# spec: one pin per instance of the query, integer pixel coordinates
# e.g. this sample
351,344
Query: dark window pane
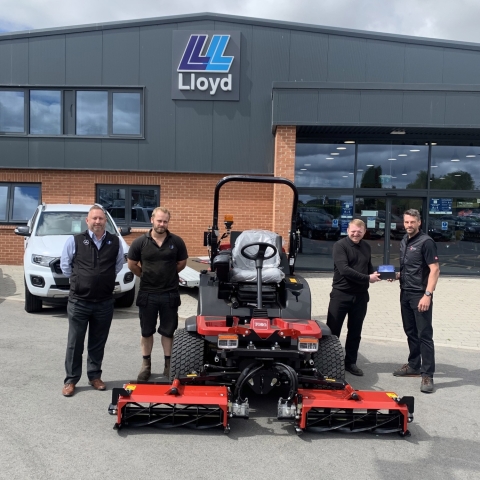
92,113
324,165
126,113
144,200
25,201
3,202
45,118
455,168
113,200
12,108
392,166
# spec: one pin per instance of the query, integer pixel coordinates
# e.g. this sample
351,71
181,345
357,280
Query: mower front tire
188,353
329,360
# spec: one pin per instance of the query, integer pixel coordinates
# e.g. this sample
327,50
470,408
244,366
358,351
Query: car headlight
42,260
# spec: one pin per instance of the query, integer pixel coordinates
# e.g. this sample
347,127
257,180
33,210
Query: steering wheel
260,255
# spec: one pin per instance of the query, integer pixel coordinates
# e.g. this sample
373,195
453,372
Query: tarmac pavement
47,436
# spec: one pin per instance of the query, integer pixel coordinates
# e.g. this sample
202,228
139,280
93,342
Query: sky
444,19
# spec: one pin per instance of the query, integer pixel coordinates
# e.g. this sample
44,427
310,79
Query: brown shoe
145,371
97,384
68,389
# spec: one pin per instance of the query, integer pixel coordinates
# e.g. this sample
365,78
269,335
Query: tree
458,180
371,178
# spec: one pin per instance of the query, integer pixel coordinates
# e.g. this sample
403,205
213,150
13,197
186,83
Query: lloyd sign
205,66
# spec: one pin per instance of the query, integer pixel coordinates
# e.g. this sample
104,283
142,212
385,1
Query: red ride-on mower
254,331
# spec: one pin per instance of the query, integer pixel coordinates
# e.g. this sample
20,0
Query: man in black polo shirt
157,257
419,272
352,275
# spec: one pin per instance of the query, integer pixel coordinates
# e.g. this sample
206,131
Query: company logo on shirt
86,242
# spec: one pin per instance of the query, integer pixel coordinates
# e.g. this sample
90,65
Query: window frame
10,198
128,202
68,110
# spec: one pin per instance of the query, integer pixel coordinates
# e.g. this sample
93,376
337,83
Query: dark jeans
419,330
355,306
97,317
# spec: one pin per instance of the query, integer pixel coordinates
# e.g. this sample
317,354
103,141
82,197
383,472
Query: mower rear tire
329,360
188,353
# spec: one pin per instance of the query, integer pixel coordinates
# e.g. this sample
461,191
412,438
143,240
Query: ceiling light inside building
392,159
307,164
433,143
341,148
455,160
471,156
414,150
457,175
434,166
397,131
303,169
370,165
335,153
329,158
349,141
402,155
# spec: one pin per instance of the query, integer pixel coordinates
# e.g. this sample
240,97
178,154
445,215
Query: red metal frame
345,399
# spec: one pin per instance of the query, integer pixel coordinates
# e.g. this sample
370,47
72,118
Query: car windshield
66,223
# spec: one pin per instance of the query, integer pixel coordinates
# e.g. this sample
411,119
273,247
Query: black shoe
354,370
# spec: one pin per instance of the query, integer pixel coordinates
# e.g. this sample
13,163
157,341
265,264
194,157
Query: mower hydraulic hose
292,376
247,373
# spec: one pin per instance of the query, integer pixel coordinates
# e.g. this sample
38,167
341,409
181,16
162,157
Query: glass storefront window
392,166
126,114
92,113
45,112
324,165
455,168
12,112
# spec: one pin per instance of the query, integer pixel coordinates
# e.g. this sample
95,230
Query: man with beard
157,257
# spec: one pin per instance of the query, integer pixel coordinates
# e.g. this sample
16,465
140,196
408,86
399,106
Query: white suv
45,236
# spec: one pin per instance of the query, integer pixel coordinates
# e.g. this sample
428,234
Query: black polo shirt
159,264
352,266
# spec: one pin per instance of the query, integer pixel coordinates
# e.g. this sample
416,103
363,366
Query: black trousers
97,317
355,306
419,330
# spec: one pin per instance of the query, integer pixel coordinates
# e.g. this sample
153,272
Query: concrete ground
47,436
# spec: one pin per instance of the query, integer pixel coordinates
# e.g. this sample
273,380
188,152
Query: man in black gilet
92,260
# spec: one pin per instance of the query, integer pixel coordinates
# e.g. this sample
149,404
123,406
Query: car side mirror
125,231
23,231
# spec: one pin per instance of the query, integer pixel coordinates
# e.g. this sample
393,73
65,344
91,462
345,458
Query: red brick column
284,162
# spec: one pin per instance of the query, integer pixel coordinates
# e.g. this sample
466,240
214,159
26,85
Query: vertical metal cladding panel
157,151
381,108
119,154
339,107
121,56
14,61
270,52
426,108
231,120
13,152
84,58
82,153
346,59
423,64
385,61
308,57
461,66
193,136
462,109
300,107
46,60
46,152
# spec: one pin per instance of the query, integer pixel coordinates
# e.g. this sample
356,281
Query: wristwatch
427,293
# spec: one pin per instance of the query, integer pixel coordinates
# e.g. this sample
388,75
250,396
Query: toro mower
253,332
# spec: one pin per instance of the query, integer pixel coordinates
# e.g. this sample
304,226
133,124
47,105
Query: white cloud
426,18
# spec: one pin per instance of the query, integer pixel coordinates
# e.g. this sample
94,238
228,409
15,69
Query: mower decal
130,387
260,323
292,280
391,394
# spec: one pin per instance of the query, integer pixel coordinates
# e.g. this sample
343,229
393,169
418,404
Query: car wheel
126,301
33,303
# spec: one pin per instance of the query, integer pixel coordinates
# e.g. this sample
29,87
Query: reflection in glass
3,202
144,200
324,165
25,200
321,220
66,223
455,168
113,200
392,166
12,108
92,113
457,234
126,113
45,112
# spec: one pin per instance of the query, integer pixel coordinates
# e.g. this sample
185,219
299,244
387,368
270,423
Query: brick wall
284,167
188,196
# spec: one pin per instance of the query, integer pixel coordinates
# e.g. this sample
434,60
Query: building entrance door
383,217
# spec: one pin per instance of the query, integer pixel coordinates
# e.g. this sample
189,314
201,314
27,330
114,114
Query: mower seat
244,270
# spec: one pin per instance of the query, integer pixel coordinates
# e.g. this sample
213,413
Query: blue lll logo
213,61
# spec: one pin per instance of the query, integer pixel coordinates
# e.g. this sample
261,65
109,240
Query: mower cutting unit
253,331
